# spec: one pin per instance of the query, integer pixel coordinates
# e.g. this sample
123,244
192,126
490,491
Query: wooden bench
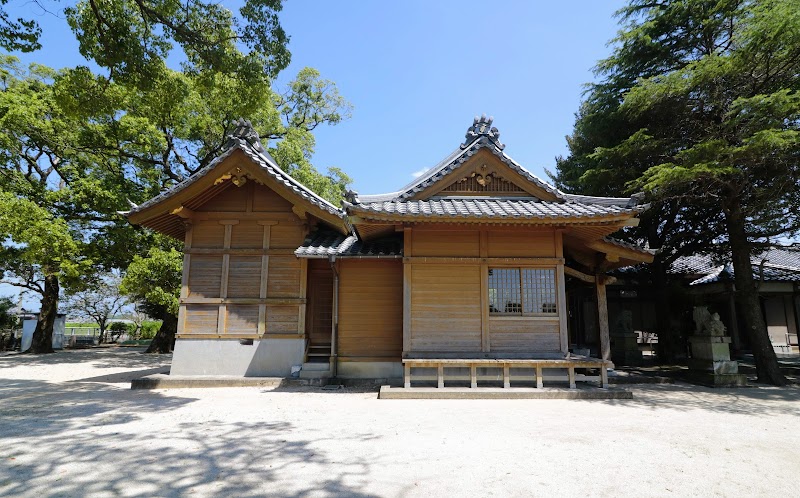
507,364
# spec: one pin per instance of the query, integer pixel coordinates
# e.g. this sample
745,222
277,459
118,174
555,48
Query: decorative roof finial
244,131
351,196
482,129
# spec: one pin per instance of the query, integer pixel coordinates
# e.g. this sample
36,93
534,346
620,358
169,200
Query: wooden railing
570,364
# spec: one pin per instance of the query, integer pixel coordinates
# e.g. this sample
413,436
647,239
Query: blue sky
417,72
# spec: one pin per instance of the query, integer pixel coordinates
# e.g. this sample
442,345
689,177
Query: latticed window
522,291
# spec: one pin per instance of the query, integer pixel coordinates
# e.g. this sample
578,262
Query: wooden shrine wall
370,309
240,276
446,280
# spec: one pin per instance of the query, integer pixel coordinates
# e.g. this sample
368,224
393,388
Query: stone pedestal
624,345
625,349
711,362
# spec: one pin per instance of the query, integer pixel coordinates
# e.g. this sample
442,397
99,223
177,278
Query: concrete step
315,370
316,366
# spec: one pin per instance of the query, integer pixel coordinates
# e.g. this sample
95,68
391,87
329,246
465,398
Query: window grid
522,291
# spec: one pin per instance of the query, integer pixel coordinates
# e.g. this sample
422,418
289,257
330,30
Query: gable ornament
237,176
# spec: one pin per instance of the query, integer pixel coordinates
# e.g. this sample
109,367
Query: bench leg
604,377
406,376
440,376
473,376
506,377
571,373
539,383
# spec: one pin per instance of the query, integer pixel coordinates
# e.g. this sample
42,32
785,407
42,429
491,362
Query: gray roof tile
324,243
492,208
245,138
782,264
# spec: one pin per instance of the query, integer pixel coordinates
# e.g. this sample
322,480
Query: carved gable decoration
238,176
484,180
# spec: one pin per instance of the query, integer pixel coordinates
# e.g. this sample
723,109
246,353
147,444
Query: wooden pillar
301,319
187,264
602,317
222,315
561,287
486,345
264,282
406,289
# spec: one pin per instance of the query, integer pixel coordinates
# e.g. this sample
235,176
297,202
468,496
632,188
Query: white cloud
417,174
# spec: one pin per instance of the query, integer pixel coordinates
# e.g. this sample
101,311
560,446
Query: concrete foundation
501,393
229,357
370,369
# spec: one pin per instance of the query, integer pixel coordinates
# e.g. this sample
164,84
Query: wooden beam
613,252
572,272
243,300
444,260
183,212
602,318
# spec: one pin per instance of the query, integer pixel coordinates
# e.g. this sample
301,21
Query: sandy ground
70,426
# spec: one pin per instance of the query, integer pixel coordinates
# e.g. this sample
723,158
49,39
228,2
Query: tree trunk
102,326
747,299
43,333
668,338
165,337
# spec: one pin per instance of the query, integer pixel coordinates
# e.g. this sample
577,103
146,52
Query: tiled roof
324,243
696,264
492,208
788,256
482,135
628,245
245,138
780,264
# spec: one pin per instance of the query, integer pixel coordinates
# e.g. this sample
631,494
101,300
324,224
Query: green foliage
132,38
697,103
154,280
149,329
7,319
18,34
76,147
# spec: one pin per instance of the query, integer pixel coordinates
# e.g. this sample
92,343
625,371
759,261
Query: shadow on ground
755,400
110,356
86,438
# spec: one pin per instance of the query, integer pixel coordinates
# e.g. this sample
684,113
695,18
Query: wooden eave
165,216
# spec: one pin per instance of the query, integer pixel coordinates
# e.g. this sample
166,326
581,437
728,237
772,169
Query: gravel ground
70,426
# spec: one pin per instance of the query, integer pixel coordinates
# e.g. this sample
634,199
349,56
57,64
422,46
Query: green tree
155,281
81,145
132,38
707,92
37,250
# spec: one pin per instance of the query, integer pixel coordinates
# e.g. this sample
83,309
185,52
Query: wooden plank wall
241,278
370,309
447,273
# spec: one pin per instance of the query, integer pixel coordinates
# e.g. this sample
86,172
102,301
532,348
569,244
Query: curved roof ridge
482,135
245,138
